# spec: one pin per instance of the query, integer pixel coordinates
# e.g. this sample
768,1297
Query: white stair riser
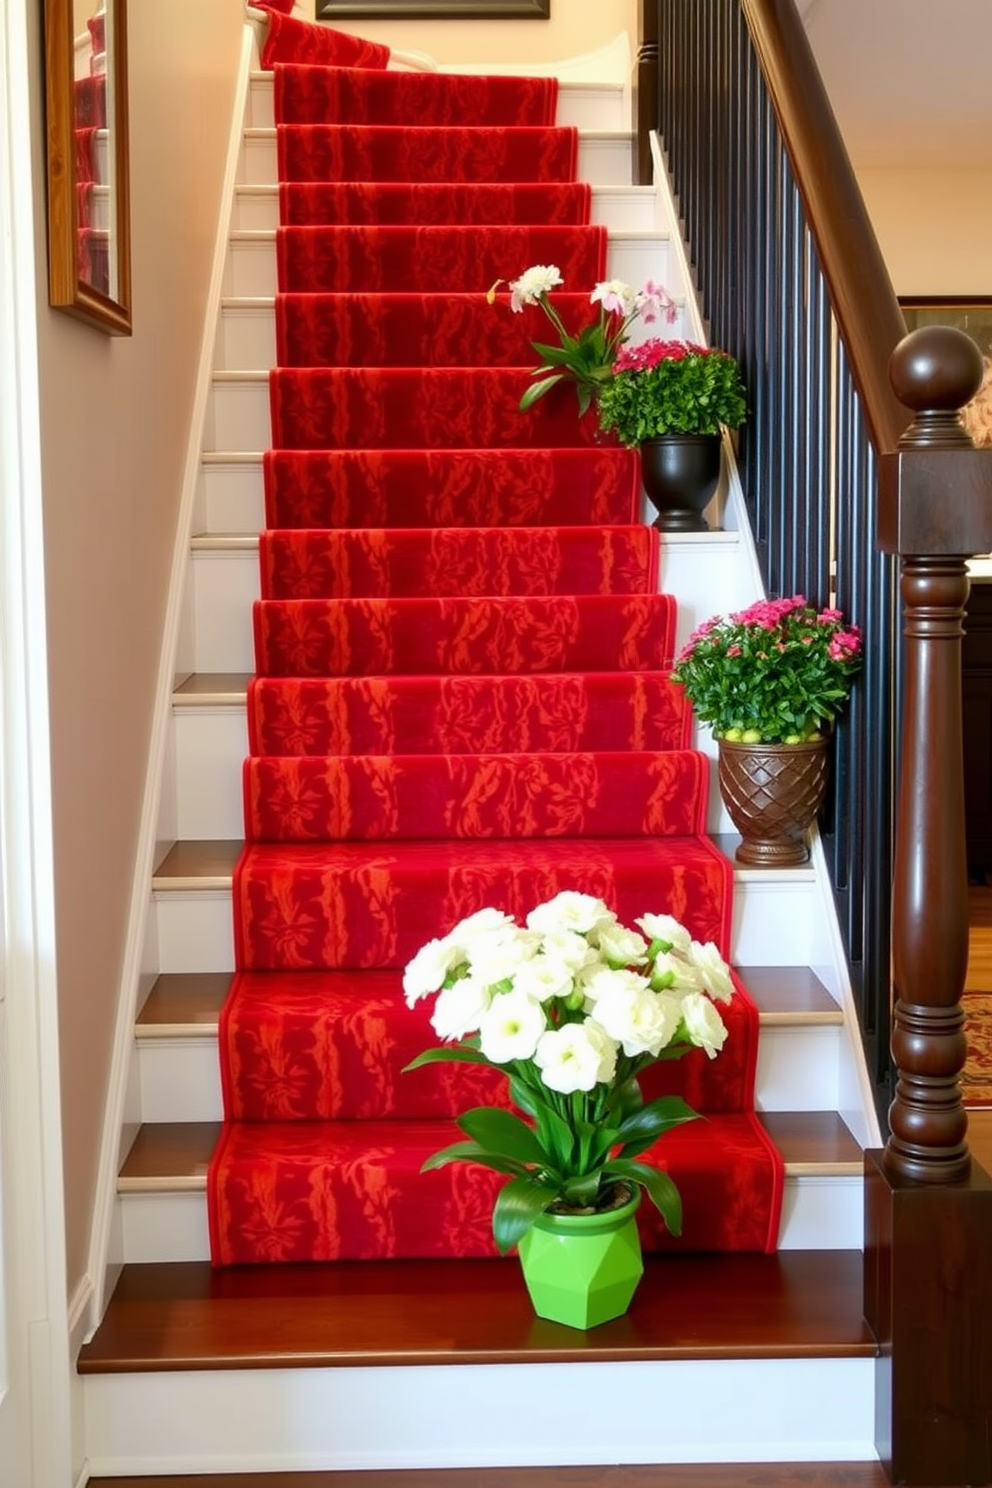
251,266
773,925
194,930
777,922
798,1068
224,586
246,338
583,108
817,1214
797,1071
210,746
604,160
756,1410
164,1227
230,497
237,417
624,209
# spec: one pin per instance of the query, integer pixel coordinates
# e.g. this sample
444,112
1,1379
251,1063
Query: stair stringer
157,824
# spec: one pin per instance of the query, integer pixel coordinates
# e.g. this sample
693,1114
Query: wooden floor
979,975
723,1475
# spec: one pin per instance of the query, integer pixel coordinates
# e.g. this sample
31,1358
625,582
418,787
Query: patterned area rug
976,1080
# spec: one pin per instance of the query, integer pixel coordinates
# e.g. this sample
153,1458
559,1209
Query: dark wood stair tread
665,1475
184,999
784,994
189,1315
209,858
178,1152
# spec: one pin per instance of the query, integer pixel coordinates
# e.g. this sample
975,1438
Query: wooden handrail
864,302
838,385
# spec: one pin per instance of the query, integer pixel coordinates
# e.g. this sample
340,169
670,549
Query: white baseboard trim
437,1416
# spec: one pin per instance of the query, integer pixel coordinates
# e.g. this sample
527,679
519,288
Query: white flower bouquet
572,1007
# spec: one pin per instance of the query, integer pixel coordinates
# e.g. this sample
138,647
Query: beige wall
574,26
934,228
115,417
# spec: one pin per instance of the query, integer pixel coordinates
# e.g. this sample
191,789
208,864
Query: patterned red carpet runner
461,695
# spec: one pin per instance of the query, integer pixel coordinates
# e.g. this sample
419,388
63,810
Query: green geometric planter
583,1269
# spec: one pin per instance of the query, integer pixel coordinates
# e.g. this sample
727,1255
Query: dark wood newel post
928,1209
645,89
930,889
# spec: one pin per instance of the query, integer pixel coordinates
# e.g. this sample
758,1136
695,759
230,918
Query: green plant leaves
502,1132
779,677
696,393
645,1126
446,1054
518,1204
659,1187
471,1152
538,390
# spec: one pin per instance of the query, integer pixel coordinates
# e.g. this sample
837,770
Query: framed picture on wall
517,10
970,314
973,315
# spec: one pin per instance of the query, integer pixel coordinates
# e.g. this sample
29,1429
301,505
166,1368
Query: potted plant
585,357
770,680
571,1007
672,399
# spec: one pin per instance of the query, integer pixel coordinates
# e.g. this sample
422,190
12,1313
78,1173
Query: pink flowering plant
775,673
671,387
571,1007
585,359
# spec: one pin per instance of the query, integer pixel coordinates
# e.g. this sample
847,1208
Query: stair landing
189,1315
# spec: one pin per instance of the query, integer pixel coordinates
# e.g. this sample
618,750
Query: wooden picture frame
89,237
969,313
327,10
973,315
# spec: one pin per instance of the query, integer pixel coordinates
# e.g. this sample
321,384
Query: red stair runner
461,695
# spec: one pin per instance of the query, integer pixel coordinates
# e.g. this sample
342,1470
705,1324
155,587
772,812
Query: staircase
737,1358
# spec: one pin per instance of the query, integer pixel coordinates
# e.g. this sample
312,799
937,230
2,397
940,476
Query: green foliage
578,1148
778,672
671,387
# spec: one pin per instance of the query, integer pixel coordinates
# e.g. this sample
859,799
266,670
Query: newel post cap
935,491
935,371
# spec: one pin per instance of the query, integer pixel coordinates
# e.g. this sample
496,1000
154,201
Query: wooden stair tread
198,863
174,1155
189,1003
664,1475
209,858
189,1315
206,687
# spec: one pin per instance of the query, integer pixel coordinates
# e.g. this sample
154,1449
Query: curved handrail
864,302
405,61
